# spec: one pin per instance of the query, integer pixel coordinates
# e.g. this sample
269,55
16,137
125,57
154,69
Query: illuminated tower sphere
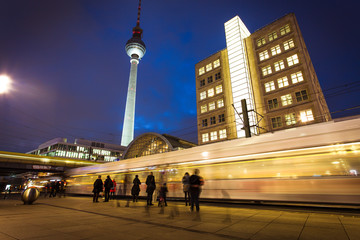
135,48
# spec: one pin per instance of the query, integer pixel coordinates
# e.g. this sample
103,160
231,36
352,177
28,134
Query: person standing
113,189
195,188
151,186
186,187
135,190
98,187
162,195
108,185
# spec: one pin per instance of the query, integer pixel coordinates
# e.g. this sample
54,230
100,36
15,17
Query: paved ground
79,218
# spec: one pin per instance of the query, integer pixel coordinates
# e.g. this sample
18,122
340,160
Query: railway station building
271,69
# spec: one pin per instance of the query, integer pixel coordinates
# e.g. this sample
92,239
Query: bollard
29,195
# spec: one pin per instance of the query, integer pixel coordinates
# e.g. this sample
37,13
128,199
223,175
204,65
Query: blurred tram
315,163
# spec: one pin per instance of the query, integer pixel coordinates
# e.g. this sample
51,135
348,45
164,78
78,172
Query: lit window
211,106
269,86
202,82
279,65
213,135
218,89
306,115
212,120
297,77
222,133
217,76
288,44
301,96
275,50
290,119
205,137
216,63
272,36
276,122
210,92
266,70
286,99
203,108
201,71
294,59
208,67
210,79
202,95
220,103
283,82
263,55
273,103
260,42
221,118
285,29
204,122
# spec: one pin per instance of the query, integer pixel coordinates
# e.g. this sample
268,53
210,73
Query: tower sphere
135,46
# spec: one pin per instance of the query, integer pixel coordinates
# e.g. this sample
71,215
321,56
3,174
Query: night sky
70,70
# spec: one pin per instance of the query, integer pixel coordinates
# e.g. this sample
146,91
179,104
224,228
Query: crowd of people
191,187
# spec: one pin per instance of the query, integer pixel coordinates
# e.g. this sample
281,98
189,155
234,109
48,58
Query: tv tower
135,49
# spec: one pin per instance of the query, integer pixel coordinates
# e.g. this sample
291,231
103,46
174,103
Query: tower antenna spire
138,17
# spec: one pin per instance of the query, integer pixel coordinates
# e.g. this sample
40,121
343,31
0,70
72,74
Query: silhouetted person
135,190
186,187
57,187
162,195
113,190
108,185
195,188
52,189
98,187
150,183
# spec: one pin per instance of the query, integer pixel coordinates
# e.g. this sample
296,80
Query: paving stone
311,233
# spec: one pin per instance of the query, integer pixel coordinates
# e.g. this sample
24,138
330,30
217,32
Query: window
279,65
288,44
202,95
275,50
212,120
272,36
218,89
297,77
210,79
273,103
286,99
213,135
203,108
222,133
205,137
301,96
221,118
217,76
285,29
202,82
216,63
210,92
266,70
211,106
269,86
201,71
290,119
208,67
204,123
263,55
283,82
260,42
276,122
306,115
220,103
294,59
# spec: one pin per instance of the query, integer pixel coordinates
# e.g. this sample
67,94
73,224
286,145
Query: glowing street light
4,84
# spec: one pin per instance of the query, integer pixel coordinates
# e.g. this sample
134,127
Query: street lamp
4,84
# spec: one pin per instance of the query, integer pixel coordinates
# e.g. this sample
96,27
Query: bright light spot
336,162
205,154
4,84
353,172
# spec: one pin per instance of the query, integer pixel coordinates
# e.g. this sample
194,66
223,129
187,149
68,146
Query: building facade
80,149
271,69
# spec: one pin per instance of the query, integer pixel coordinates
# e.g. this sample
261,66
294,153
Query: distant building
80,149
271,69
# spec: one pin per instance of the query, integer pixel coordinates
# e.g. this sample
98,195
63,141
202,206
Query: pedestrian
151,186
135,190
108,185
186,187
195,188
113,189
52,189
162,195
57,188
47,189
98,187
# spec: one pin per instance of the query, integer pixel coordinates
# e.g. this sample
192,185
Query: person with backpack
135,190
195,189
98,187
108,185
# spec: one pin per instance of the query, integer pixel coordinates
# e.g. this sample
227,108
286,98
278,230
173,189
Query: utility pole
246,118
